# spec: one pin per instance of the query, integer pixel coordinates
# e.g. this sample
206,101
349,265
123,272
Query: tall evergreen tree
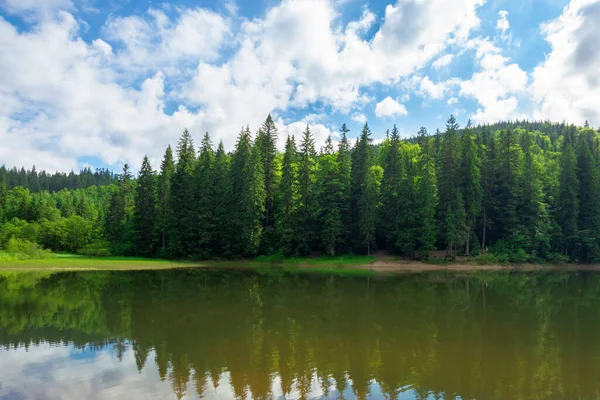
222,202
330,197
451,208
345,164
362,160
181,219
567,202
145,211
531,210
167,168
588,224
267,144
203,176
390,188
509,182
288,198
249,192
306,196
470,183
368,206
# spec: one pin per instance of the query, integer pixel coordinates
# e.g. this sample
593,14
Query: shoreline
340,265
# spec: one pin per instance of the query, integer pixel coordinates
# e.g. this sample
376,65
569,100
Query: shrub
97,248
26,250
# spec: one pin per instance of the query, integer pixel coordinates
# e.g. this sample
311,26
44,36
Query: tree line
517,190
53,182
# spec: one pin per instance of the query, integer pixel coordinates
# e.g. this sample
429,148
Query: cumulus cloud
566,86
495,86
502,25
63,97
359,117
389,107
443,61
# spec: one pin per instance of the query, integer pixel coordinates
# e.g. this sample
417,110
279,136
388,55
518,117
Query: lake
237,334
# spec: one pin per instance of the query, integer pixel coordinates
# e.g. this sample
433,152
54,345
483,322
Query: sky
101,83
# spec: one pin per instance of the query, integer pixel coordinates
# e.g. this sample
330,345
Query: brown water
221,335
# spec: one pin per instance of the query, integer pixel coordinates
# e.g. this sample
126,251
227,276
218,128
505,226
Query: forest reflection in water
224,334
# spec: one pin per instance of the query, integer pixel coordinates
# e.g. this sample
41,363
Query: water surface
234,334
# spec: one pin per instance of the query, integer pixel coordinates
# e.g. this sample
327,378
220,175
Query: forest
512,191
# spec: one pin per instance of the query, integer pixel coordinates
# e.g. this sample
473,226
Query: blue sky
101,83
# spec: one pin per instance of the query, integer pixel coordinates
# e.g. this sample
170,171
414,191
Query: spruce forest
514,191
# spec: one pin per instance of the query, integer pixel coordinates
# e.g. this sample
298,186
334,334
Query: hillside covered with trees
519,190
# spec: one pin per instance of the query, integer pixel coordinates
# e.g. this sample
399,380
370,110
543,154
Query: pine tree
531,210
362,160
249,194
470,183
3,192
182,217
426,199
330,197
345,164
390,188
288,198
588,177
368,206
145,211
34,181
306,196
510,171
203,176
222,202
451,207
567,202
167,169
267,144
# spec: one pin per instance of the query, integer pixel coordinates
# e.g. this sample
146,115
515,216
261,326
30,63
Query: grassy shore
343,265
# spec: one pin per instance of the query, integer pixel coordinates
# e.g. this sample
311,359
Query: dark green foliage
167,168
182,217
144,218
526,191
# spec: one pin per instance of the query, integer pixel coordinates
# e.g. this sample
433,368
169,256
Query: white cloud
443,61
452,100
35,8
154,40
503,25
63,97
433,90
359,117
389,107
495,85
566,86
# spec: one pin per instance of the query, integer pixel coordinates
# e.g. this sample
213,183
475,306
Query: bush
278,257
26,250
97,248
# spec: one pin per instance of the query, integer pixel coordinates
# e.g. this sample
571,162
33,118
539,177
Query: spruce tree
267,144
249,194
181,220
205,200
221,183
330,198
451,208
567,201
167,168
345,164
390,188
362,160
306,196
145,211
368,206
470,183
426,199
288,198
588,224
531,210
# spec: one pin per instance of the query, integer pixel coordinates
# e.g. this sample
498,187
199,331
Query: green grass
66,262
